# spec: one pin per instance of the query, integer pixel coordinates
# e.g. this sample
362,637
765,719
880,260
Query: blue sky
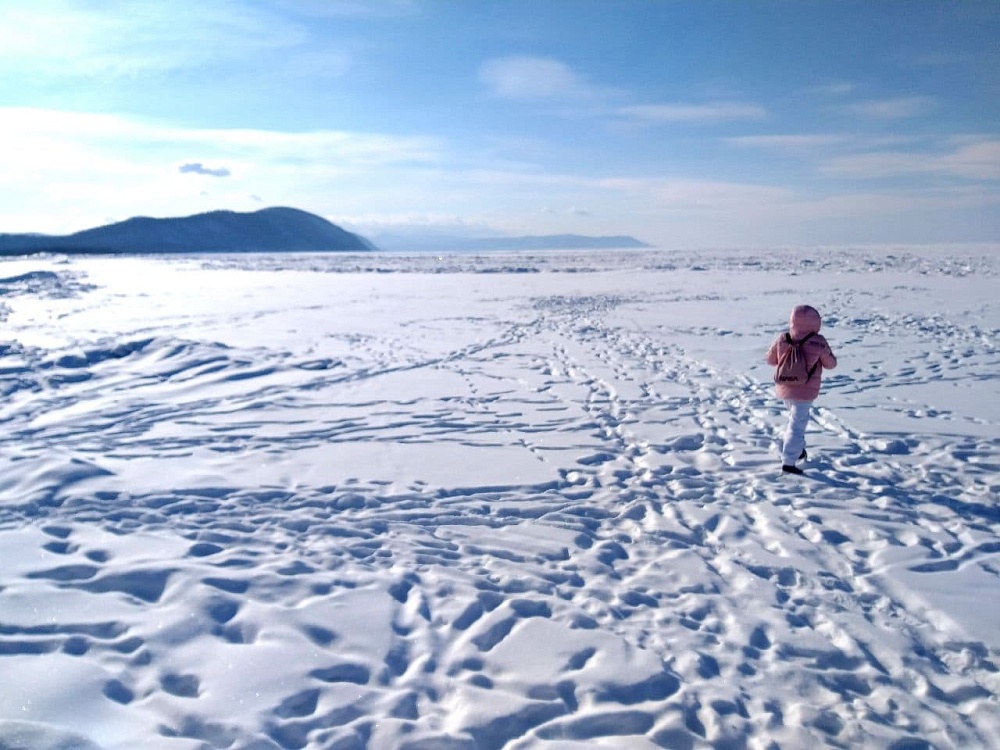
685,124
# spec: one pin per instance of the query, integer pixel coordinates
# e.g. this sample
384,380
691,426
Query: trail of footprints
842,562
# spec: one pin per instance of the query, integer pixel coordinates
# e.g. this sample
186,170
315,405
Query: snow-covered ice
497,502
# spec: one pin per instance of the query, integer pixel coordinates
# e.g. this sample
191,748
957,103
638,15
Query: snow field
496,501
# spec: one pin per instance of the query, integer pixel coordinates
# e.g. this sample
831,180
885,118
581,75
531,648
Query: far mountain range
270,230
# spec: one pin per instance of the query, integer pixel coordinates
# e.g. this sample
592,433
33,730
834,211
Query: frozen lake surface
497,502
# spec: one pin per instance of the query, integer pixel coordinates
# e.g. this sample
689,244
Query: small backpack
792,366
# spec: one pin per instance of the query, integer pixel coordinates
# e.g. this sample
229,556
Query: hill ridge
273,229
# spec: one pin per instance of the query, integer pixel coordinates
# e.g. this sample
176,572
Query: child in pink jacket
804,320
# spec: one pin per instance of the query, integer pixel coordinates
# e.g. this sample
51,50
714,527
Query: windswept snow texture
497,502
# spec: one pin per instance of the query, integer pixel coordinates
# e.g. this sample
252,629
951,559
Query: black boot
789,469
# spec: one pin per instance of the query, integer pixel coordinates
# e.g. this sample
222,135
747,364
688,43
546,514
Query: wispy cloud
571,211
349,8
789,143
977,160
525,77
65,39
908,206
198,168
694,113
152,140
897,108
837,88
817,144
414,225
716,196
942,59
884,156
528,78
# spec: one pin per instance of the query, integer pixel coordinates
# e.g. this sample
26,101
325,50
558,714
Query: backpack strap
812,370
804,339
800,342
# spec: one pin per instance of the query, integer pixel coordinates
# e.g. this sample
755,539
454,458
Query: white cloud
523,77
694,113
86,165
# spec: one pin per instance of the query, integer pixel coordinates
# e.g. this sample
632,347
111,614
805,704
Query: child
804,323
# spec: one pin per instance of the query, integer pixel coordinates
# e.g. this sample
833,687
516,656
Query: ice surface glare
497,501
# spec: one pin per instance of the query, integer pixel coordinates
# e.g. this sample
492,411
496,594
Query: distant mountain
271,230
450,243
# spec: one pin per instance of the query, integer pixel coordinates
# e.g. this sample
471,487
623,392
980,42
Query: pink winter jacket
804,320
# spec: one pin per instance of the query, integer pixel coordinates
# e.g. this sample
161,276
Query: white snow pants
795,432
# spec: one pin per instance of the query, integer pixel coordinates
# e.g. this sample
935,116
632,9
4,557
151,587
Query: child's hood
804,319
